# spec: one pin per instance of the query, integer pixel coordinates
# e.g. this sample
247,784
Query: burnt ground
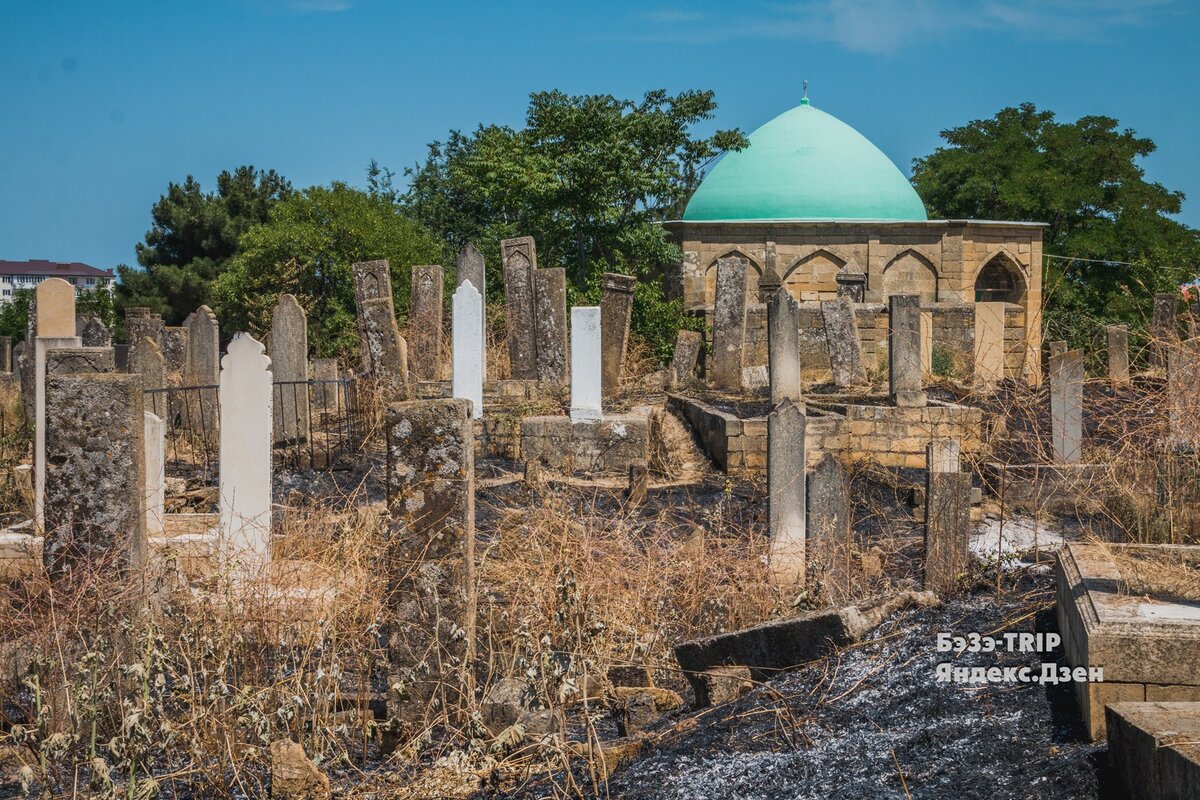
873,722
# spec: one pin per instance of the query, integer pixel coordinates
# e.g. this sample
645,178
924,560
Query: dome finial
804,100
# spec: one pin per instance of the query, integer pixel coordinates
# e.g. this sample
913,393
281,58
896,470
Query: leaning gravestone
729,324
841,336
783,346
688,345
616,312
786,459
519,257
385,351
550,325
425,322
289,366
244,491
92,332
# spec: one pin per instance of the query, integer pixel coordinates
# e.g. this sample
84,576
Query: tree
193,237
588,177
306,248
1084,179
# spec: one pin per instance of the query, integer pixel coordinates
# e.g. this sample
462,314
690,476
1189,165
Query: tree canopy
193,237
1085,180
306,248
588,177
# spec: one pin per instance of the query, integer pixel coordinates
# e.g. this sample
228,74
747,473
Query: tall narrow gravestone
550,324
989,344
616,311
688,345
1066,406
947,517
289,365
467,344
904,351
729,324
202,367
519,257
786,457
54,328
1118,353
155,469
431,497
326,385
783,346
244,493
828,522
841,337
586,387
1164,330
1183,394
471,267
425,322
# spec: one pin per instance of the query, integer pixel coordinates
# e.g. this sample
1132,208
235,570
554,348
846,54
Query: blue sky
101,104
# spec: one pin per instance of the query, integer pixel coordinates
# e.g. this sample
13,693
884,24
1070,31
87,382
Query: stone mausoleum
813,206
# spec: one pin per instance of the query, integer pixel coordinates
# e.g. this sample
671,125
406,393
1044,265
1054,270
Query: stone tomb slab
607,445
1149,647
1154,749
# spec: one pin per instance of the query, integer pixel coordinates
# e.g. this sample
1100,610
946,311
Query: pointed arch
754,271
1000,279
910,272
813,275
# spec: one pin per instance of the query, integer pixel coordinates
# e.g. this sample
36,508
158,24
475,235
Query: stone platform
607,445
1149,648
1154,749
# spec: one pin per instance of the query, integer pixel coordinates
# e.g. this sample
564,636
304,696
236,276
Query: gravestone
1183,394
927,343
93,332
141,323
244,491
904,351
385,351
989,344
519,257
156,482
174,349
425,322
80,360
1057,348
1118,353
828,520
616,311
55,328
841,336
786,509
688,345
56,308
550,323
1164,329
1066,406
467,343
783,346
148,361
471,267
639,482
586,387
372,281
94,517
6,354
947,518
430,574
202,368
289,367
729,324
326,385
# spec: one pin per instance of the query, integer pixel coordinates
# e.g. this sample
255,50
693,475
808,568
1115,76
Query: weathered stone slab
828,519
989,344
140,323
431,497
786,460
372,281
1057,348
471,267
845,349
586,387
1154,749
148,362
607,445
519,257
56,308
1066,406
1183,393
154,439
244,494
289,366
639,482
43,345
425,322
1118,353
80,360
616,311
729,324
1164,328
174,349
550,325
385,351
904,351
95,475
6,354
326,389
93,332
947,518
783,347
467,339
927,343
688,345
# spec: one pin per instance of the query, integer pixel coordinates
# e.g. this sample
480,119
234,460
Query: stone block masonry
608,445
431,497
95,479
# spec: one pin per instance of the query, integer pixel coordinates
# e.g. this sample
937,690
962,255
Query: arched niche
814,277
910,273
1000,281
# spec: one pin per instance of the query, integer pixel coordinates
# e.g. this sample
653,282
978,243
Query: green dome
806,164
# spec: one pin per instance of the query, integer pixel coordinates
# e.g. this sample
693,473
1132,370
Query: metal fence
316,424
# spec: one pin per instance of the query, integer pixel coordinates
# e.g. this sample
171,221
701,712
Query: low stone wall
886,435
607,445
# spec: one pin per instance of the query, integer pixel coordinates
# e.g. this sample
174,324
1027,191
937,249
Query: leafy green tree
306,248
1085,180
14,315
588,177
193,237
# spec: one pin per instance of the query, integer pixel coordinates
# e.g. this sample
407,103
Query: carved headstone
786,509
616,311
904,351
471,267
586,391
244,493
550,323
372,281
1183,394
385,351
202,368
425,322
1066,406
174,349
1118,353
783,346
289,366
729,324
468,345
841,336
519,257
688,345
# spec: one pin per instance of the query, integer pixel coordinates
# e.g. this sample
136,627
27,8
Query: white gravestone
467,341
245,482
585,364
156,480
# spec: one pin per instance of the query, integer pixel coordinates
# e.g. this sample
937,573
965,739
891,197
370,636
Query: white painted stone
244,503
468,345
585,363
156,479
42,346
